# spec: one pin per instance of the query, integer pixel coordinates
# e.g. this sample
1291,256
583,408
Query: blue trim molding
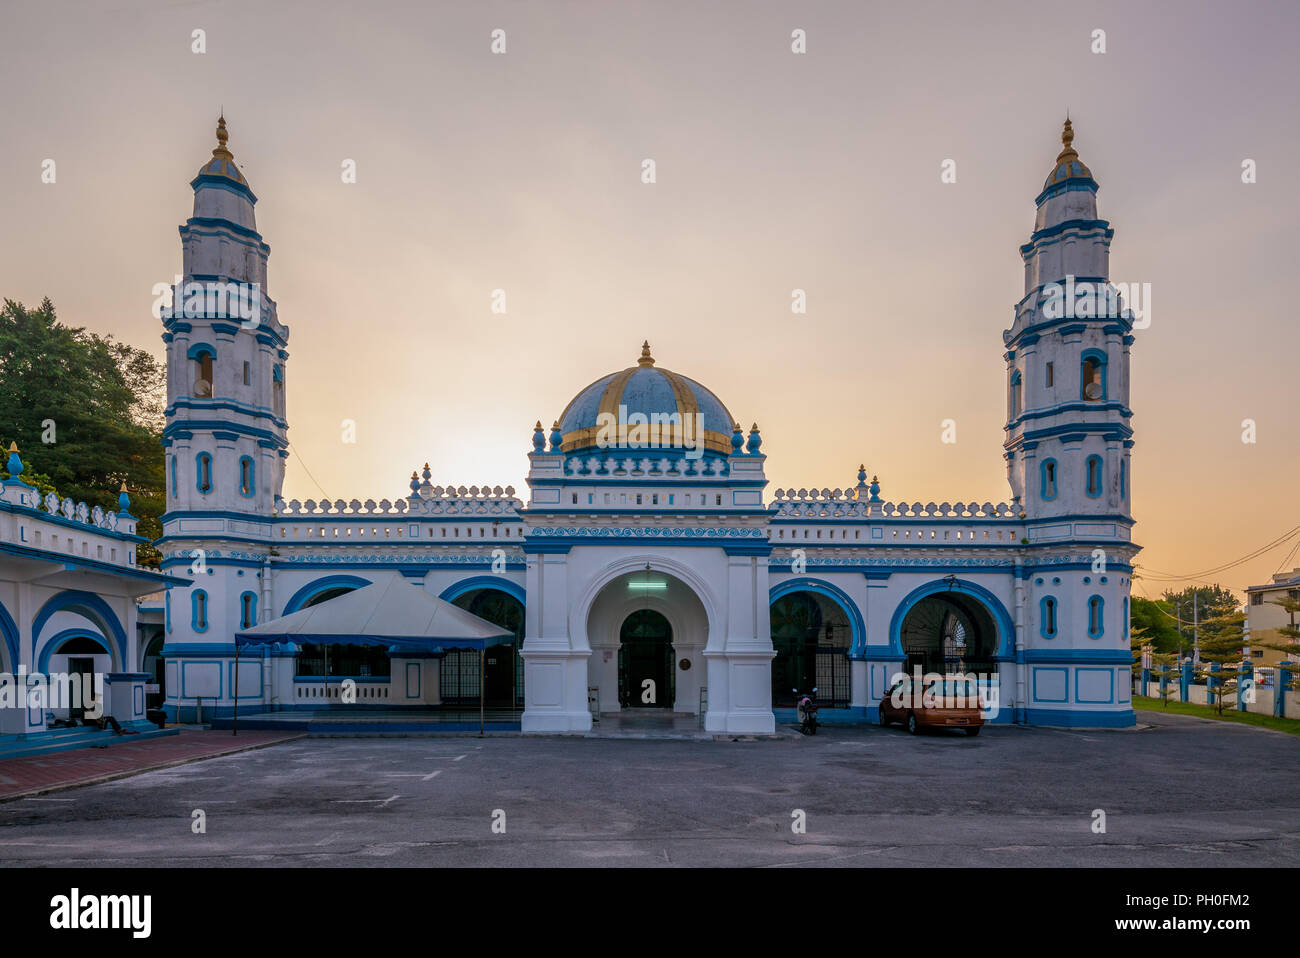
993,605
313,589
858,646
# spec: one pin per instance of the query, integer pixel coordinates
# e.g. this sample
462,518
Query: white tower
1068,433
225,434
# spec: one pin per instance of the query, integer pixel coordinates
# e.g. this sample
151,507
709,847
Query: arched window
199,610
173,477
202,356
1015,394
1093,486
1047,617
1095,624
247,610
203,472
1123,479
1049,479
1093,376
1126,619
167,609
246,476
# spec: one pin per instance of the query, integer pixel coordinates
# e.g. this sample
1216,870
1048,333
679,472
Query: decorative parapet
645,467
437,500
841,503
18,493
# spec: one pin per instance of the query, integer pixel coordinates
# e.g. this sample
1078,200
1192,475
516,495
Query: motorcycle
806,711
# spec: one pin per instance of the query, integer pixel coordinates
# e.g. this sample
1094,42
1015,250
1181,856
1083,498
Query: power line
303,462
1158,575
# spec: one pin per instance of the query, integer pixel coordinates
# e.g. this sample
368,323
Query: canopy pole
234,723
482,686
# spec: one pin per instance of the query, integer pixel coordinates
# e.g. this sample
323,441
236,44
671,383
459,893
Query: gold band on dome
687,404
670,437
613,393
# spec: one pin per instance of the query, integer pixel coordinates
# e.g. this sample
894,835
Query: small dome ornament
862,476
15,464
539,438
221,152
426,474
556,436
737,440
123,502
755,440
415,482
646,360
875,489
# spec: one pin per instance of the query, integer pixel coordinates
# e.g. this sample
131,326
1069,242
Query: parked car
950,702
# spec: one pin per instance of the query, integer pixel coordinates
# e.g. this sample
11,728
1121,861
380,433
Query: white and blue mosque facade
649,565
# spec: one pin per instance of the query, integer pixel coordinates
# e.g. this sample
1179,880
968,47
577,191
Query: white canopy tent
391,612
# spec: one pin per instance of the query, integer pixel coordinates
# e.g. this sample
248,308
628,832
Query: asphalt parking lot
1184,792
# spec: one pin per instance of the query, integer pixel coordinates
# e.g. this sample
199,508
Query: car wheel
912,725
884,721
973,731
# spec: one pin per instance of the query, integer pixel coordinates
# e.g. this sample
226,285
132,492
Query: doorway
85,669
645,661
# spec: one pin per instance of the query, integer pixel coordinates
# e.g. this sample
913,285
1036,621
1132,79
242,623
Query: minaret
1068,436
226,432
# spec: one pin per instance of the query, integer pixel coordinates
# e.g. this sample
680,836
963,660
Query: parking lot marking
459,757
430,775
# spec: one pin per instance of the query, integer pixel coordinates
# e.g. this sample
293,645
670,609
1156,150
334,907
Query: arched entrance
811,635
949,632
645,661
646,624
503,669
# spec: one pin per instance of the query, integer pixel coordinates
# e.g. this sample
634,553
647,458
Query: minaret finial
1067,141
222,137
646,359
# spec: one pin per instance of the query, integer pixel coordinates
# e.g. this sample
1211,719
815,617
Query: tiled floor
22,776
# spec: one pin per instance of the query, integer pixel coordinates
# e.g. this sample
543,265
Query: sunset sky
775,171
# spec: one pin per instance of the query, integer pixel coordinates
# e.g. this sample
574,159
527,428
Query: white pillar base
740,692
555,689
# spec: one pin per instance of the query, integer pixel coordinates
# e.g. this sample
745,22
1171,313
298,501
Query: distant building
1265,617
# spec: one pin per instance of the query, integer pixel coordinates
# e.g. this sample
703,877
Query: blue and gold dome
652,392
221,169
1068,165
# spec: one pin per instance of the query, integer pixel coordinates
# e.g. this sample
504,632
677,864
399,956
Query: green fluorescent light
651,586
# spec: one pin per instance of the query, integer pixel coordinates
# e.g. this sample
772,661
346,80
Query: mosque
647,566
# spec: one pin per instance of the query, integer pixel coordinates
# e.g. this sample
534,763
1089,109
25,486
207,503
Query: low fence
1197,686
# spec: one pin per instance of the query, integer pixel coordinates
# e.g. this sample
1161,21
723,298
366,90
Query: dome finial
1067,141
646,359
221,151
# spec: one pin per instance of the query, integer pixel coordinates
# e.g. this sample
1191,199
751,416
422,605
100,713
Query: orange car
950,702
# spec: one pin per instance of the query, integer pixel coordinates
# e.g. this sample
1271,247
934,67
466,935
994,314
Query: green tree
86,412
1222,640
1157,625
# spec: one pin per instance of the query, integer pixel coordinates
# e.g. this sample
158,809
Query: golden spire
556,424
220,152
1067,138
754,428
13,447
646,359
538,426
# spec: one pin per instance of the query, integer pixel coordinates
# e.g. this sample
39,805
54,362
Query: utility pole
1196,630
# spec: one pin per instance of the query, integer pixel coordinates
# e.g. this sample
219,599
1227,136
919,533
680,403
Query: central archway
646,625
